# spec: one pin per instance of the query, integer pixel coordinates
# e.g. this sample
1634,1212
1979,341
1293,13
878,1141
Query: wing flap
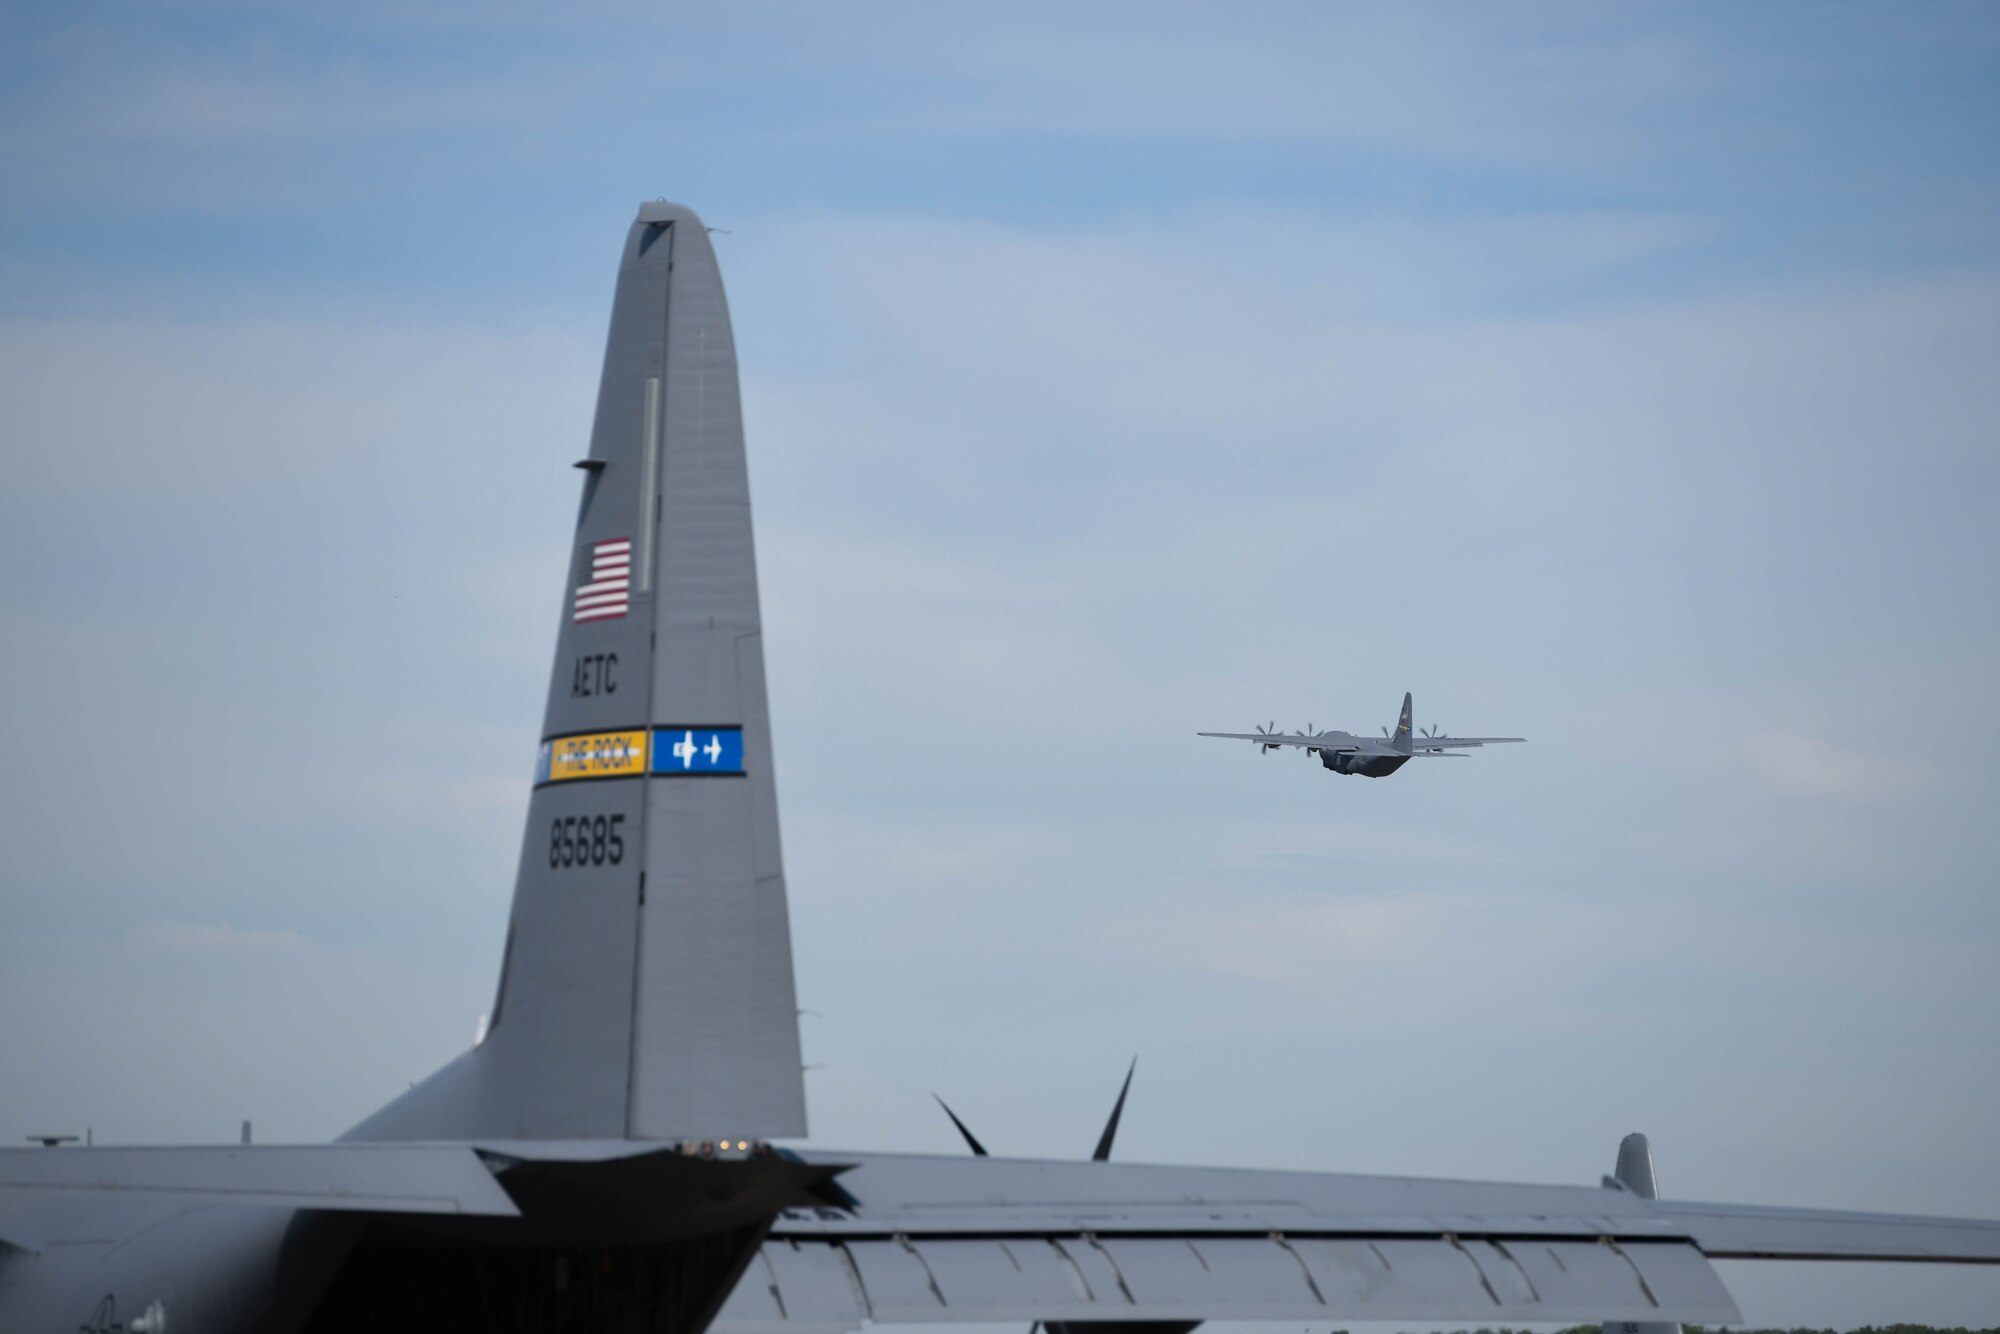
1249,1276
813,1287
1036,1272
827,1285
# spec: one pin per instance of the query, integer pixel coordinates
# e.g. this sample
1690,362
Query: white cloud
1803,766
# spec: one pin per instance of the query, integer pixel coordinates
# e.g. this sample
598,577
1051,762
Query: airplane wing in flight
1285,739
1421,743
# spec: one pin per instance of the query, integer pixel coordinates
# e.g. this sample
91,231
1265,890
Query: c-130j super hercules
1346,753
600,1160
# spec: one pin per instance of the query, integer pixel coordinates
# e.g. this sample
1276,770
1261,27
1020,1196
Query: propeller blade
1117,1110
971,1141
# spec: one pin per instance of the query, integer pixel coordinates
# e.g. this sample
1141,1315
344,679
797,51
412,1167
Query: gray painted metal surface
911,1195
380,1178
647,986
1634,1172
1757,1232
831,1285
716,1046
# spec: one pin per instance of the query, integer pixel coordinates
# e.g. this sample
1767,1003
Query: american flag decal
607,590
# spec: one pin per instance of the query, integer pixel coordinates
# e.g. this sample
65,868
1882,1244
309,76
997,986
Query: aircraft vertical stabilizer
715,1047
646,989
1635,1173
1401,741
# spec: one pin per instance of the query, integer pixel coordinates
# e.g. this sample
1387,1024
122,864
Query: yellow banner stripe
598,755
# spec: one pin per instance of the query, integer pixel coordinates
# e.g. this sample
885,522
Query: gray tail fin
1401,741
1635,1167
647,988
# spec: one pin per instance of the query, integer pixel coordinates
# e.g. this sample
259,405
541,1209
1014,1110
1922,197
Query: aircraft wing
372,1178
1748,1232
1423,743
1285,739
934,1240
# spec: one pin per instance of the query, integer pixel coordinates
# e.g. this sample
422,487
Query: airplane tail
646,989
1635,1173
1401,741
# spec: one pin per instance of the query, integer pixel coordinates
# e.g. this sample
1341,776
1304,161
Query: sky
1617,377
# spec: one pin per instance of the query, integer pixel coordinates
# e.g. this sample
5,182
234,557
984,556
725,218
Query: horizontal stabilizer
371,1178
568,1192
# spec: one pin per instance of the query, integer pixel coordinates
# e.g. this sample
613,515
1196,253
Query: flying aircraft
1346,753
602,1157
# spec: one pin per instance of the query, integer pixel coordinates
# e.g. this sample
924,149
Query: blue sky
1617,377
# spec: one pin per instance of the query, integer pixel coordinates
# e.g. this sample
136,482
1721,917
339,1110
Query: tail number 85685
586,840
